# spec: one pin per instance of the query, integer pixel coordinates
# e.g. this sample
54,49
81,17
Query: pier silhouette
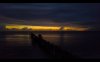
51,50
38,48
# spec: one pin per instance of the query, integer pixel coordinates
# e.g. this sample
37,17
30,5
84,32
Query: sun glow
75,29
44,28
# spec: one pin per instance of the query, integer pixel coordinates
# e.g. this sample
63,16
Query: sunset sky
51,14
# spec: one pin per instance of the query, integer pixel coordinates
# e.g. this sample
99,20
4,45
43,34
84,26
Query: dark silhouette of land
51,50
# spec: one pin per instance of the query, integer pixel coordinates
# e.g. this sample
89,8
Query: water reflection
2,39
23,39
82,44
17,39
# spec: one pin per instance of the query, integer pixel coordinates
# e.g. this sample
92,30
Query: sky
63,14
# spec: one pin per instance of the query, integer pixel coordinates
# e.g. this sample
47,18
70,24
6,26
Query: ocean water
85,44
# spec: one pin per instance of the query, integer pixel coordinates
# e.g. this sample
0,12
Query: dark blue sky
75,14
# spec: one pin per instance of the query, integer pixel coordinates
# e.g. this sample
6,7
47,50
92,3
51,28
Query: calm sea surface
86,45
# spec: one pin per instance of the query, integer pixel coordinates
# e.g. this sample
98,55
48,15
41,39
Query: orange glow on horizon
44,28
75,29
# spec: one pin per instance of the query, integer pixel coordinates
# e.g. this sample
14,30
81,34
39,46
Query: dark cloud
85,14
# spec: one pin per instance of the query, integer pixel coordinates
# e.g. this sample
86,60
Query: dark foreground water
83,44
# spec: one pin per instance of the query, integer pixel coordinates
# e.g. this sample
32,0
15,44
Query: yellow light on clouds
74,29
44,28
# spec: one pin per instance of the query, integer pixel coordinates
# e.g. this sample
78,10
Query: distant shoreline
44,32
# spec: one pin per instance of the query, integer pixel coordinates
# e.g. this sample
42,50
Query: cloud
82,14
